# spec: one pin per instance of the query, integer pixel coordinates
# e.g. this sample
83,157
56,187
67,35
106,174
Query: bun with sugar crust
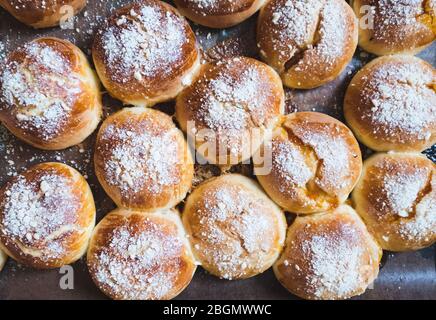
142,160
141,256
47,214
49,95
396,197
146,53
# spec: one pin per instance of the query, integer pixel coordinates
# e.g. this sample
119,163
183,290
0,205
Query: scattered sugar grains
139,265
36,210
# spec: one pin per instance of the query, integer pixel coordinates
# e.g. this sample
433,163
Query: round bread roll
140,256
146,53
47,214
3,258
396,197
218,13
235,230
49,95
230,109
312,163
42,13
309,44
391,104
328,256
391,27
142,160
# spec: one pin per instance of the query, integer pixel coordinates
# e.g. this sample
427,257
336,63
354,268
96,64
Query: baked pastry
392,27
309,44
141,256
328,256
3,258
47,214
312,163
218,13
146,53
142,160
391,104
42,13
396,197
230,109
49,95
235,230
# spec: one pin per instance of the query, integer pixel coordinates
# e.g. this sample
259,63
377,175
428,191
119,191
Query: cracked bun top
315,163
218,13
140,256
230,108
328,256
42,13
309,44
142,160
391,104
235,230
146,53
47,214
405,26
49,95
396,197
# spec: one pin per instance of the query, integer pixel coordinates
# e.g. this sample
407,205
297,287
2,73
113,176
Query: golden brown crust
391,104
396,197
230,109
42,13
140,256
328,256
47,214
218,13
235,230
3,259
308,44
396,26
146,53
142,160
49,95
312,163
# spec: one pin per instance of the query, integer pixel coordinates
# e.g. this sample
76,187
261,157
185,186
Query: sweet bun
42,13
396,197
391,104
230,109
328,256
142,160
47,214
235,230
309,44
49,95
392,27
315,162
140,256
3,258
218,13
146,53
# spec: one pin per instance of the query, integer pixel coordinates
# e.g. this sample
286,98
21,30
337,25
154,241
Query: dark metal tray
410,275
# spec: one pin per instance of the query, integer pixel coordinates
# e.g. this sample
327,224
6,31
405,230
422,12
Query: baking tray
410,275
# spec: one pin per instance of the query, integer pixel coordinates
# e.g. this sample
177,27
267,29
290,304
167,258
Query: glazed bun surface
142,160
235,230
396,197
146,53
218,13
140,256
308,44
42,13
397,26
47,214
315,163
391,104
328,256
230,109
3,259
49,95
